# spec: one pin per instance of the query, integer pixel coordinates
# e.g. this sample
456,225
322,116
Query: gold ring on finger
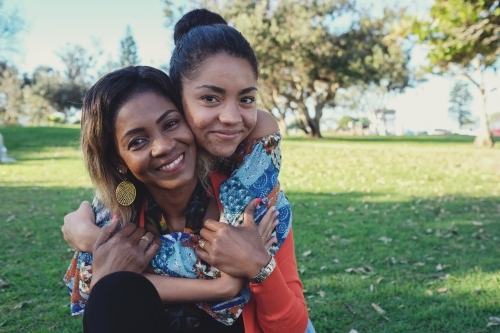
145,238
202,243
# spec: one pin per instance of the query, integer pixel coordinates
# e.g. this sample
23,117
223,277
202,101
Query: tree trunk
282,125
315,132
484,138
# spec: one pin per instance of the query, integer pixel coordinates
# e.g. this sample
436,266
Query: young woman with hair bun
214,71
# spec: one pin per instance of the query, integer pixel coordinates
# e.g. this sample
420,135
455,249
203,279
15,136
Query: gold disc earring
125,192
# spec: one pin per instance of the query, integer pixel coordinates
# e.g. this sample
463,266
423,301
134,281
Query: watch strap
264,271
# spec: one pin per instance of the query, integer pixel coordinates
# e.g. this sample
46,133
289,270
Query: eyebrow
140,129
166,113
223,91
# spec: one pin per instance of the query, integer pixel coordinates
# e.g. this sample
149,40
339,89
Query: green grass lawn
392,234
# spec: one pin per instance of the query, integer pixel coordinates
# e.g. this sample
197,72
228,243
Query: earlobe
121,167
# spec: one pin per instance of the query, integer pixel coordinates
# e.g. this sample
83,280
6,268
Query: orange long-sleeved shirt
277,304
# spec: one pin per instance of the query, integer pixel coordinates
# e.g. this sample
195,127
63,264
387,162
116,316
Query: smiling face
154,143
219,103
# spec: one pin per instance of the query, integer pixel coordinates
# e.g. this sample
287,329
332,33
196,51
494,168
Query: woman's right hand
238,251
266,227
130,249
79,228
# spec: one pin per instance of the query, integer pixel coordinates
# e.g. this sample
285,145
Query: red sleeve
216,178
281,306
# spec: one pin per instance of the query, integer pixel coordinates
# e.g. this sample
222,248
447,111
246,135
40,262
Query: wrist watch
264,271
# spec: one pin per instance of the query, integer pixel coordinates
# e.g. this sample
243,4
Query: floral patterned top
256,165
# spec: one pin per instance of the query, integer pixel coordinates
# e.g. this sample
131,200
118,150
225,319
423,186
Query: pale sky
51,24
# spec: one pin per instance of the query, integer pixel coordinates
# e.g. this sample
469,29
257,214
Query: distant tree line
314,56
34,98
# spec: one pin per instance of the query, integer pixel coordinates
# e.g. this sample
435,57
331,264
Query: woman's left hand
237,251
130,249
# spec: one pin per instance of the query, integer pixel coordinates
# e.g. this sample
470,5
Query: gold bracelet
264,271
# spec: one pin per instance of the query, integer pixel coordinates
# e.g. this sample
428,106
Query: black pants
128,302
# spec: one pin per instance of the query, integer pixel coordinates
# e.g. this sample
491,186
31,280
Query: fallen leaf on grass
359,270
476,290
20,305
11,218
370,268
429,292
350,308
440,267
379,279
353,331
335,261
321,293
308,252
477,223
442,290
322,268
494,321
378,308
385,239
3,284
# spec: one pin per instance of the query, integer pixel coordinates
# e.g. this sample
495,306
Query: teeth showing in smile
173,164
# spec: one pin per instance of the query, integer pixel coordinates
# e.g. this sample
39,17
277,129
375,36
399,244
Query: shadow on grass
28,156
34,258
430,263
36,139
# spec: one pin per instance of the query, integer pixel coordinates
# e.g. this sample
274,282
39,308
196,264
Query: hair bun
193,19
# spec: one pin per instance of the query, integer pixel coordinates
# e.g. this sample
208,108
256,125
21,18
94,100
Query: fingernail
257,201
115,218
